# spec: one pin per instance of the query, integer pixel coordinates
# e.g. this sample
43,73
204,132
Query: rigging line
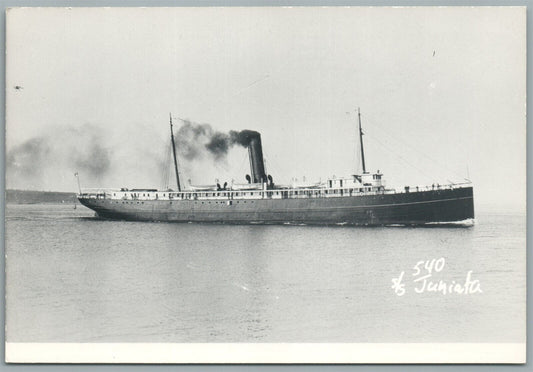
399,157
221,165
273,165
397,138
164,168
169,168
178,171
264,77
244,159
403,142
358,169
267,161
357,142
168,161
242,165
227,98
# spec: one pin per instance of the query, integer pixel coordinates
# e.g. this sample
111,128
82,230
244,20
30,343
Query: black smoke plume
26,158
93,160
37,160
194,139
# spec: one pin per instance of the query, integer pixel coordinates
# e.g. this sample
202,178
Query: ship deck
431,205
251,194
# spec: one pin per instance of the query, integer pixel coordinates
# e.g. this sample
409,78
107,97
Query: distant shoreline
40,197
42,203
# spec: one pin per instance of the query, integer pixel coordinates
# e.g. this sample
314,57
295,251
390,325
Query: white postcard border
284,353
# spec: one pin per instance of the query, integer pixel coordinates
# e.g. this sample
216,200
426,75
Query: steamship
360,199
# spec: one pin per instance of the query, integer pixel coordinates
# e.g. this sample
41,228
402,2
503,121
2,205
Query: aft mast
361,140
174,153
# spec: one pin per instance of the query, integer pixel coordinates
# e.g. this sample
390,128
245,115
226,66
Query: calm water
74,278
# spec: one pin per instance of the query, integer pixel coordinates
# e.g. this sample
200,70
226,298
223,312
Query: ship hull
410,208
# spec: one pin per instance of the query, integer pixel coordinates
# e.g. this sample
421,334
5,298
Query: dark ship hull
405,208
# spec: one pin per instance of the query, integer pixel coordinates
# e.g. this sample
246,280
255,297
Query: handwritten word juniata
423,280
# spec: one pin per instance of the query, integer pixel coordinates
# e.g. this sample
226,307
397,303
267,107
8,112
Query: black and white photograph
265,185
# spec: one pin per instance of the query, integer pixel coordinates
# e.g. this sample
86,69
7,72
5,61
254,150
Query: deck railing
305,193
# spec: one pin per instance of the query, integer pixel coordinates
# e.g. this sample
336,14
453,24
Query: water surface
74,278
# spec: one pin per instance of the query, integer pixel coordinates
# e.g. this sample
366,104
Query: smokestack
257,165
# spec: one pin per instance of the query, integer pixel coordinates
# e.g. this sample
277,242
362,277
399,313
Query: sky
442,94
